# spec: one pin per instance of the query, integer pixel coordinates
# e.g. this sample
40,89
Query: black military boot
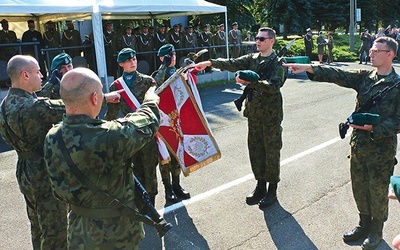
169,192
359,232
258,193
270,198
179,191
374,236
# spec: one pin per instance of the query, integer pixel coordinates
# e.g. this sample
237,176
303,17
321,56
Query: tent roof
110,9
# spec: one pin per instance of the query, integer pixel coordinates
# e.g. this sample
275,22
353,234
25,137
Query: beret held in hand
247,75
364,118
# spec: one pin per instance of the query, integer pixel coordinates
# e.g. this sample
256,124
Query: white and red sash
133,104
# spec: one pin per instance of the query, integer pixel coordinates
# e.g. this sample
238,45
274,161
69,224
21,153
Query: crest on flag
184,128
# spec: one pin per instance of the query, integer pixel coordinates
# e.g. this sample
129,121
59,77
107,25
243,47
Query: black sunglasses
262,39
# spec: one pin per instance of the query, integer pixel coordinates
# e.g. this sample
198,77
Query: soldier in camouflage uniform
60,65
146,159
265,101
173,189
99,149
24,121
373,147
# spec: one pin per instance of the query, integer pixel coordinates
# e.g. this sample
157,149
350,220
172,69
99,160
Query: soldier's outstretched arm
297,68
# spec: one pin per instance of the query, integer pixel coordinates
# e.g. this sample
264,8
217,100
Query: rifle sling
98,213
365,106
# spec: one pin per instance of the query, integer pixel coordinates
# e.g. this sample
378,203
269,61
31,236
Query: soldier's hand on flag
114,97
297,68
151,95
201,65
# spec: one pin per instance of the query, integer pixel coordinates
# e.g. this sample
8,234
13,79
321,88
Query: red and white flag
184,128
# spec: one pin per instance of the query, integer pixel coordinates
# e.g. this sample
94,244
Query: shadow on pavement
285,230
182,236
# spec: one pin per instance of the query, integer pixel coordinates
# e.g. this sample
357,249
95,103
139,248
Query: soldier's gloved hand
55,76
151,95
167,60
247,75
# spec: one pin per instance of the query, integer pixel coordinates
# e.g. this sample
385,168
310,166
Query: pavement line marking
225,186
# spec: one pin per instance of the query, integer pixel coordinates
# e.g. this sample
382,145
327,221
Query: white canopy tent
97,10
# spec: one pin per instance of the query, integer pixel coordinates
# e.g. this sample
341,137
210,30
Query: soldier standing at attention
235,39
308,43
106,146
173,190
110,47
265,101
220,40
373,147
51,39
7,36
32,35
70,38
145,160
24,121
366,44
60,65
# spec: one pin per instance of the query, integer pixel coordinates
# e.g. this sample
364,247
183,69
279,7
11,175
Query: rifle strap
110,200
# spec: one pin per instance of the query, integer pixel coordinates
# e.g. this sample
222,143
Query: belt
29,155
96,213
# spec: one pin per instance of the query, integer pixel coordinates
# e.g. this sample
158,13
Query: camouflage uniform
146,159
30,118
372,153
100,149
51,89
265,135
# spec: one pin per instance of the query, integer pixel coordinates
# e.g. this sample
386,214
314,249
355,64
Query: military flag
183,126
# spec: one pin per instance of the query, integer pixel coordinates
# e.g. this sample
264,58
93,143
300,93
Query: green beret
395,182
364,118
247,75
60,59
165,49
125,54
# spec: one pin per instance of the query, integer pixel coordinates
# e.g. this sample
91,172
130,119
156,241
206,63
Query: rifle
364,107
263,73
154,218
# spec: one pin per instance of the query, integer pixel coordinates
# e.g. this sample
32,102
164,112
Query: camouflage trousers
144,167
103,234
371,165
48,218
172,167
265,143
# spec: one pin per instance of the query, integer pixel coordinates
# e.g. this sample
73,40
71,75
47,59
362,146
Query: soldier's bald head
78,85
20,63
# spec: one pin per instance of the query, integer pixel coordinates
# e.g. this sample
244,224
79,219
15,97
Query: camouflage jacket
139,87
161,75
30,118
51,89
367,83
99,150
267,98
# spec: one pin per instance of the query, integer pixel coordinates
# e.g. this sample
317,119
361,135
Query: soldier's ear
94,98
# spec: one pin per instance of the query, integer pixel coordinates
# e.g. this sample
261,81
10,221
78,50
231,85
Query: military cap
166,49
176,26
145,27
128,27
161,26
30,21
136,29
247,75
395,182
218,26
365,30
151,28
308,29
68,22
364,118
59,60
125,54
188,27
206,26
4,21
234,24
108,23
221,25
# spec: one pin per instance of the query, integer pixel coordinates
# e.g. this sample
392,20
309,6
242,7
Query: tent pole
99,48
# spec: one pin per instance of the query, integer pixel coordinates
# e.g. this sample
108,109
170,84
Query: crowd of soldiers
145,40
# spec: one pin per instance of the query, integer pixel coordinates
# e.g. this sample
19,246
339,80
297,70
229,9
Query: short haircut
77,85
19,63
390,43
271,32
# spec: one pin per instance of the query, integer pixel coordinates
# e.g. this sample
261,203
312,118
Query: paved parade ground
315,203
